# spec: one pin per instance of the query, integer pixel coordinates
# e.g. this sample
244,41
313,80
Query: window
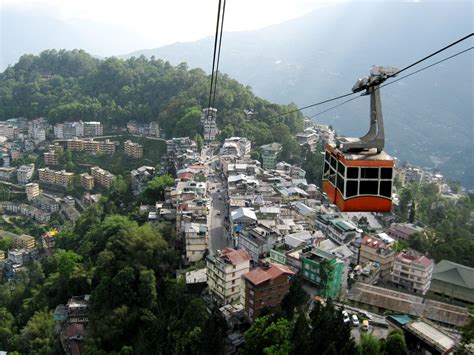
233,288
341,169
326,170
351,188
386,188
386,173
333,162
340,184
369,173
369,187
352,173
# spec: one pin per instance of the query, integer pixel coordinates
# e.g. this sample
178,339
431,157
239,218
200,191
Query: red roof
198,167
75,329
185,176
260,275
235,256
372,242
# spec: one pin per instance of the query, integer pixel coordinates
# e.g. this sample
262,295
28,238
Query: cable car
358,174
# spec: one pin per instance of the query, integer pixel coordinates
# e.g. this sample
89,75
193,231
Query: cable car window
327,156
368,187
351,188
333,162
386,188
332,177
326,169
341,168
352,173
369,173
386,173
340,184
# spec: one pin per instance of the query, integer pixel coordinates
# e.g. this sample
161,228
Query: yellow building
133,150
24,241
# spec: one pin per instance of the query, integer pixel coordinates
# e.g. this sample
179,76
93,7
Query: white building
24,173
93,129
412,272
224,272
195,235
32,191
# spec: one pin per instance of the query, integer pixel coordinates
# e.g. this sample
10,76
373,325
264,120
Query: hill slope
321,55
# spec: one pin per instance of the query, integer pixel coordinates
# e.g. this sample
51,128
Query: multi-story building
403,231
133,150
154,129
46,203
6,174
32,190
209,123
24,173
195,236
24,241
55,177
307,138
178,146
224,272
341,231
269,155
140,178
102,177
93,129
237,146
8,130
50,158
265,287
412,271
375,250
312,262
91,146
257,241
37,129
48,240
87,181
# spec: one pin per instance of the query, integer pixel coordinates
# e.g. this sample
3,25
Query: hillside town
246,228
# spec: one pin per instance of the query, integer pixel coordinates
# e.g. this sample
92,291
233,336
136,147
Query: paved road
218,236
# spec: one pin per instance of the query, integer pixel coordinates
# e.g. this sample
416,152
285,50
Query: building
24,241
265,287
93,129
133,150
403,231
87,181
224,272
91,146
375,250
24,173
55,177
341,231
454,281
209,123
8,130
51,158
6,174
154,129
102,177
48,240
32,191
412,272
311,264
195,236
140,178
269,155
237,146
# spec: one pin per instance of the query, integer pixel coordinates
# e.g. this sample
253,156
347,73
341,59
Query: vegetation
450,234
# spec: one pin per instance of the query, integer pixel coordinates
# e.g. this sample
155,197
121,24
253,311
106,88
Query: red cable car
358,174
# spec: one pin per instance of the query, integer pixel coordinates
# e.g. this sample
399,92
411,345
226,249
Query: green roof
452,273
343,225
401,318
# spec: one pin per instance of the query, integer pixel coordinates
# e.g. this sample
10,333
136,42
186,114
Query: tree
411,216
326,269
155,189
296,298
199,141
369,345
37,336
267,337
395,343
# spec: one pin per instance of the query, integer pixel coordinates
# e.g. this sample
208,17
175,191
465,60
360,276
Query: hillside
323,53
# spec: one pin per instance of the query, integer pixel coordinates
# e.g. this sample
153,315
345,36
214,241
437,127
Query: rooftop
234,256
456,274
261,274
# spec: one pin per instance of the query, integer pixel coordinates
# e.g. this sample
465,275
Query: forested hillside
72,85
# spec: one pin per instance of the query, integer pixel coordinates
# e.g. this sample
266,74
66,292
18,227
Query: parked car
345,317
365,325
218,213
355,320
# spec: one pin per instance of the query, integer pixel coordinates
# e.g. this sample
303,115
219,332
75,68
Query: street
218,237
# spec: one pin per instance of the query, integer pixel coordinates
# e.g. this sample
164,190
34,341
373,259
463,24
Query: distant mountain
428,117
31,32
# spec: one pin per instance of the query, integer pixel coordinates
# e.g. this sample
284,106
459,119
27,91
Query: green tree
296,298
199,141
369,345
412,215
155,188
395,343
37,336
267,337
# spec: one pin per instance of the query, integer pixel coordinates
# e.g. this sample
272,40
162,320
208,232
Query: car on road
218,213
355,320
365,325
345,317
220,196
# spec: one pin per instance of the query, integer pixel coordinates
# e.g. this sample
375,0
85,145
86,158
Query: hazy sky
159,22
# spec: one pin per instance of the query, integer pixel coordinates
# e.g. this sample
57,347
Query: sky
161,22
